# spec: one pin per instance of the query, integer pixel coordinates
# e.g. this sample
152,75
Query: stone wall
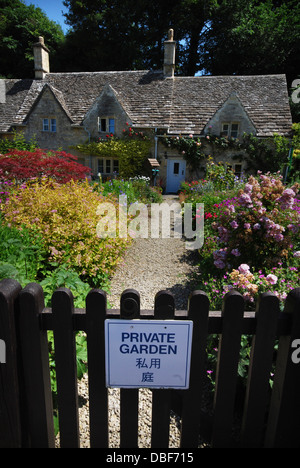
106,106
65,135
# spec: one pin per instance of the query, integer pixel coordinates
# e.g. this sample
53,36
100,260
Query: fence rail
269,417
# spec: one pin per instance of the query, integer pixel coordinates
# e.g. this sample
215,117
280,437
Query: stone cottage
65,109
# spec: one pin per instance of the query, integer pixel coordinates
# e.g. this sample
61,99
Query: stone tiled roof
180,105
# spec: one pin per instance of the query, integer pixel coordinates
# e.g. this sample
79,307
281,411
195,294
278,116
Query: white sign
148,353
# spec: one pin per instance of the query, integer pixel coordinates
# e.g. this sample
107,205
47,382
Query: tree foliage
251,37
129,35
217,36
22,165
214,36
20,27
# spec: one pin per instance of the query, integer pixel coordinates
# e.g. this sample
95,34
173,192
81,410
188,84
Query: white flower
244,268
272,279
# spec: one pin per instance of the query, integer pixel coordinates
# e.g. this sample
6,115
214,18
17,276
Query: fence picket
198,310
226,375
98,398
283,427
129,309
36,373
10,419
261,358
164,308
66,368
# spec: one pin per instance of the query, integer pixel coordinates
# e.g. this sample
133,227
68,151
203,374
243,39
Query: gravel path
152,265
149,266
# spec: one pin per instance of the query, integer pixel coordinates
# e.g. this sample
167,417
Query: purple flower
235,252
223,233
286,200
248,188
245,200
234,224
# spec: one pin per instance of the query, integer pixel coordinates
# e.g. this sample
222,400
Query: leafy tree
20,27
22,165
115,35
247,37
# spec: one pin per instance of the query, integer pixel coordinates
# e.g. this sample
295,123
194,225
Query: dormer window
49,125
106,125
230,129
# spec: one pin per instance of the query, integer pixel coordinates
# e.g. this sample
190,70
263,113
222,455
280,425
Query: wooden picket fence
269,417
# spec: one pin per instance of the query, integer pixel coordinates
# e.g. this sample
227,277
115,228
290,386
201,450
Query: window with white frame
106,125
230,129
108,166
49,125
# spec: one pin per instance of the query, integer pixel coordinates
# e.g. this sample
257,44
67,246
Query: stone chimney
41,59
169,55
2,92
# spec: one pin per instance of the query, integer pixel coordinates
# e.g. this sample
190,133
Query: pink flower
234,224
272,279
244,269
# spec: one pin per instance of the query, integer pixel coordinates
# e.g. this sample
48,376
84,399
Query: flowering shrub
189,147
136,189
21,165
278,280
6,187
222,176
65,215
260,226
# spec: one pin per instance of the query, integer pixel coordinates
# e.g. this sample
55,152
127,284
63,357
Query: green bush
62,277
21,253
136,189
131,153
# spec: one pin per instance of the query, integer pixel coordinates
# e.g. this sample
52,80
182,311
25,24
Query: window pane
225,129
116,166
46,125
234,130
53,125
238,170
108,166
176,168
111,125
102,125
100,166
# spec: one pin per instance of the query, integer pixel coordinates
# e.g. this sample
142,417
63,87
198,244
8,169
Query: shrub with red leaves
23,165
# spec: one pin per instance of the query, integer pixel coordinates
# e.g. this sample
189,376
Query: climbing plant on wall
131,150
192,148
